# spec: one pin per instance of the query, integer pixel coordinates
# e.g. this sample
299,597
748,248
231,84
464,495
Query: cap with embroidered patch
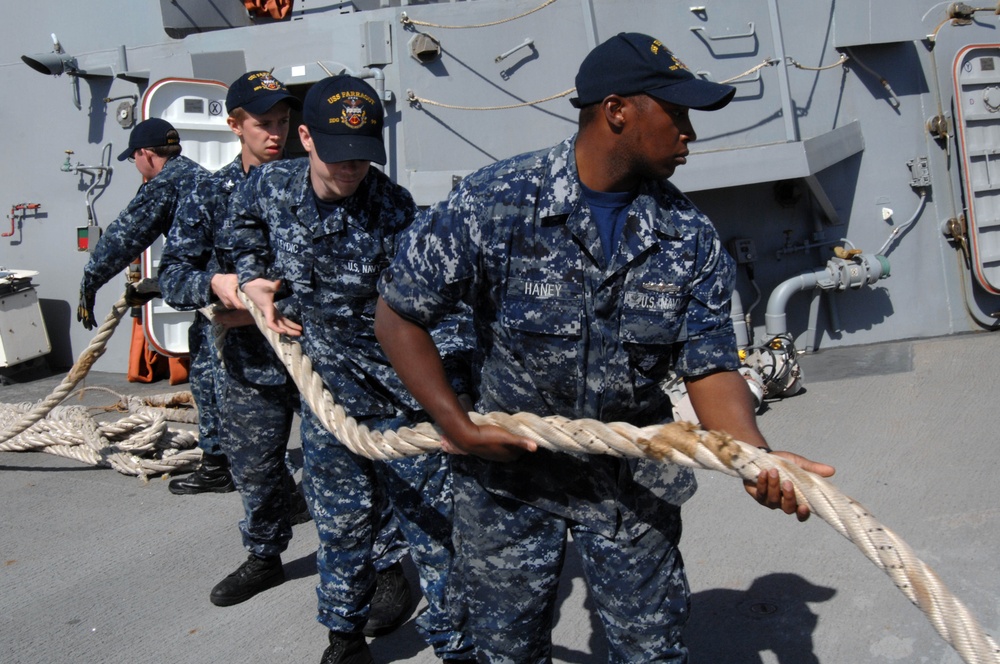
632,63
344,117
151,133
257,92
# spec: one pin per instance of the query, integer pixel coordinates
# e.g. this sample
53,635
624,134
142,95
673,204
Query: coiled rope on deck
681,443
141,443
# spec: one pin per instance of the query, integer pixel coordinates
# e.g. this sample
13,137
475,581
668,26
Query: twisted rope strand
843,58
684,444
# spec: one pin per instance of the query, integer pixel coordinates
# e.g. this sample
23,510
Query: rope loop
841,61
416,102
141,443
407,21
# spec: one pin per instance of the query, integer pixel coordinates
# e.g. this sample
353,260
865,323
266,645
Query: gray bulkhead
828,142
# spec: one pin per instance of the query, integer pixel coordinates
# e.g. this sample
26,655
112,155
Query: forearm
262,292
124,241
413,354
108,260
184,287
723,402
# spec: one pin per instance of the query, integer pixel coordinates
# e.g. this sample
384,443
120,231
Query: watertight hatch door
977,119
196,108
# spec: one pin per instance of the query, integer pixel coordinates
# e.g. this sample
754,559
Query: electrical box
87,237
743,250
22,330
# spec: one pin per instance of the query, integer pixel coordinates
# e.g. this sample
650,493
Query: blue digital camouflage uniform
256,397
150,214
565,333
187,264
329,268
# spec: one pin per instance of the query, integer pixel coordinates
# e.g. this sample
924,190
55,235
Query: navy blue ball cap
632,63
257,92
151,133
344,117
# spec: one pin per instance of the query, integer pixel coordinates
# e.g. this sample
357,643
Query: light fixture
59,62
52,64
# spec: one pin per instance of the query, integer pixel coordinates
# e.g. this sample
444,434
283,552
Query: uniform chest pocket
291,264
540,308
346,286
651,335
544,333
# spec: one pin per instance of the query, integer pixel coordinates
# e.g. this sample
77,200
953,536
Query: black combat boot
212,475
391,604
347,649
254,576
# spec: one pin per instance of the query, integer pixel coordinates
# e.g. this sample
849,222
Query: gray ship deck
101,567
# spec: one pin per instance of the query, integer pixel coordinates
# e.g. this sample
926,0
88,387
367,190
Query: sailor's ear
613,107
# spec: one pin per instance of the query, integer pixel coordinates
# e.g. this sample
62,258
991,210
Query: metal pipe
378,78
527,43
774,316
811,334
839,274
19,207
590,24
122,59
898,230
739,321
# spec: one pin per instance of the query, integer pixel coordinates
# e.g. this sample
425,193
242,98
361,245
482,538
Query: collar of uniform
238,163
299,186
355,210
171,163
560,188
164,180
560,193
226,179
658,201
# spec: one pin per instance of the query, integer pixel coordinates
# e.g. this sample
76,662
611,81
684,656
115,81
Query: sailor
154,146
325,226
592,277
256,398
259,109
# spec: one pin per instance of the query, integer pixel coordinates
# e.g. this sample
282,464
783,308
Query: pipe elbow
774,316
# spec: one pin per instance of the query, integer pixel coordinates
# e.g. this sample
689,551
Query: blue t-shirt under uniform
610,211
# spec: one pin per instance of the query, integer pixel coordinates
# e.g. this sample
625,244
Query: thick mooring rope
139,444
71,432
681,443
